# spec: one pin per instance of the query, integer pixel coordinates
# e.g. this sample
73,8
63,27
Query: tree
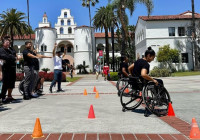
11,23
87,4
166,55
121,6
103,19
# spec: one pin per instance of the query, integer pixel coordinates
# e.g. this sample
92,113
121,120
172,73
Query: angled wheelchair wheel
21,87
130,98
156,99
120,85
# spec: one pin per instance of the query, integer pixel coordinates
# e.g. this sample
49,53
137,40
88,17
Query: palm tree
87,4
121,6
11,23
104,20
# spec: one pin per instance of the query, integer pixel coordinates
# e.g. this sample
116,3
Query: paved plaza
66,113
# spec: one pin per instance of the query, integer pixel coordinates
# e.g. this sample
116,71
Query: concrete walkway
67,112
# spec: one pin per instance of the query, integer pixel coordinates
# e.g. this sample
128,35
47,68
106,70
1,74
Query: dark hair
26,43
150,51
5,38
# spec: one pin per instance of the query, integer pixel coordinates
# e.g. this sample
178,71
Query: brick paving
95,136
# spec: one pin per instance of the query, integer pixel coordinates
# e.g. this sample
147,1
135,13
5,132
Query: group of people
105,71
8,60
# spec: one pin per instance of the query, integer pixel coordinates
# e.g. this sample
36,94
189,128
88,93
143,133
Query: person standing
97,68
57,68
28,56
71,71
36,68
8,54
1,76
124,68
106,71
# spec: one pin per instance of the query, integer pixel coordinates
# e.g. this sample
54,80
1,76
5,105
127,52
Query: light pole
28,16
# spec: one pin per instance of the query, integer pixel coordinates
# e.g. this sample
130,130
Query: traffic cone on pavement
97,94
37,132
91,113
126,90
85,92
194,132
94,90
170,110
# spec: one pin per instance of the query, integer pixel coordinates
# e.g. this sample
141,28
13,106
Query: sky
81,14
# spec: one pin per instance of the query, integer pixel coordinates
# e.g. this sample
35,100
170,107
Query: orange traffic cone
170,110
37,132
94,90
194,132
126,90
97,95
91,113
85,92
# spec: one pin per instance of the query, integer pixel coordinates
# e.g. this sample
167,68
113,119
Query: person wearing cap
57,68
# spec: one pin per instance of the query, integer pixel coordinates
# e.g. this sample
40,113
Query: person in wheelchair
141,67
123,71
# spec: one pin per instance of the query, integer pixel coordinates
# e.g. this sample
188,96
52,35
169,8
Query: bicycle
156,98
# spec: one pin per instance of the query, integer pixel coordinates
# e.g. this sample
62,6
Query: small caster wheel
123,109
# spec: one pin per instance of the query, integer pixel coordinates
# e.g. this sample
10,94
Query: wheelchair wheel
130,98
120,85
156,99
21,87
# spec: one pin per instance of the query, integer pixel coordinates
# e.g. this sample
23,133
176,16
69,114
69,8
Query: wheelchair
155,97
120,85
38,91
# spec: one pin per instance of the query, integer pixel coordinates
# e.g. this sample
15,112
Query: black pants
9,78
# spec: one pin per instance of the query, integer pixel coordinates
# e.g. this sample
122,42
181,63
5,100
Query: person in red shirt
106,71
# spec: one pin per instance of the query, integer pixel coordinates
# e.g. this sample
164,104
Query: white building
157,31
82,48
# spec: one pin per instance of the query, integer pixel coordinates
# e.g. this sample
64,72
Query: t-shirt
138,66
27,60
97,68
57,63
123,65
36,62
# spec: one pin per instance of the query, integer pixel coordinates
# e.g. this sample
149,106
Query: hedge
47,76
157,72
113,76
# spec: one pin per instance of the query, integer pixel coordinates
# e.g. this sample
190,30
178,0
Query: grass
188,73
73,79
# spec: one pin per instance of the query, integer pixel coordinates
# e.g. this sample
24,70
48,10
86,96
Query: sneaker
5,101
60,90
50,90
33,96
26,97
11,99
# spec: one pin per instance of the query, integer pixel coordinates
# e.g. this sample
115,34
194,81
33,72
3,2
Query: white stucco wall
46,36
83,47
157,35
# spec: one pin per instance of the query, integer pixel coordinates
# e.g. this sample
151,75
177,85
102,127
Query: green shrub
113,76
157,72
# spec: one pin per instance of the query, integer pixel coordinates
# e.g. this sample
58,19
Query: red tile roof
25,37
102,35
185,15
45,15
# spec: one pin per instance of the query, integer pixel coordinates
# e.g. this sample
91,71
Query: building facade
172,30
82,42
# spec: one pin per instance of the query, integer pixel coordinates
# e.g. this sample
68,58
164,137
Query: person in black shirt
28,56
8,54
141,67
36,68
124,67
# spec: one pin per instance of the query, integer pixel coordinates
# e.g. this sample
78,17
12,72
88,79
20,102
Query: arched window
42,48
62,22
68,22
65,14
69,30
45,20
61,30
